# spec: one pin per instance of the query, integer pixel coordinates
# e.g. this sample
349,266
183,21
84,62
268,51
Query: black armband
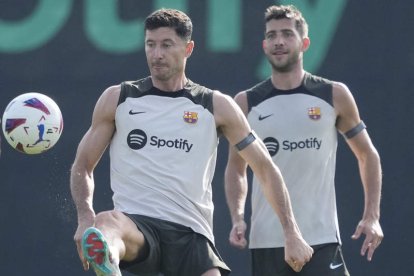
246,141
354,131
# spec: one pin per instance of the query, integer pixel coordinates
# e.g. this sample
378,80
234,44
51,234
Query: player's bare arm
89,152
236,188
235,127
369,168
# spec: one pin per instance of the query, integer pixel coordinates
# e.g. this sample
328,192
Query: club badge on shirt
190,117
314,113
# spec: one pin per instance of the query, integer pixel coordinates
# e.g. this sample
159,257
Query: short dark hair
172,18
288,12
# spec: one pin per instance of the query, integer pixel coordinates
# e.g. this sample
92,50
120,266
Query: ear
189,48
264,44
305,44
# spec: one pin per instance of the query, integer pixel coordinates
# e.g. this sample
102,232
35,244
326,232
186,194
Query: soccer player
297,115
163,133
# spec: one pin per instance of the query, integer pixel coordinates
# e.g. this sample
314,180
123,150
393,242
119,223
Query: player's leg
212,272
115,237
124,236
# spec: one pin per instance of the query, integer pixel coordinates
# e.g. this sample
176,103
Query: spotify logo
272,145
137,139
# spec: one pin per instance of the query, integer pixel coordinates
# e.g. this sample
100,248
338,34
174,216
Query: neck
288,80
170,85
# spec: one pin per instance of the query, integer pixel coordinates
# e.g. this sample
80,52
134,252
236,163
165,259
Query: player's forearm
277,195
273,185
81,185
236,193
371,176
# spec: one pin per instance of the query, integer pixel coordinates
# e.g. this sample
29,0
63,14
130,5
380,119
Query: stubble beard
161,75
166,75
284,67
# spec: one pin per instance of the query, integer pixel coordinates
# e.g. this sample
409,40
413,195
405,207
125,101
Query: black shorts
327,260
173,250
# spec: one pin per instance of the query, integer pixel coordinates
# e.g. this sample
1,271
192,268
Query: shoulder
340,88
199,95
341,97
225,108
107,103
221,100
241,100
197,88
341,94
135,88
319,87
321,84
254,95
335,92
229,118
257,94
259,90
111,94
198,92
345,107
141,84
316,81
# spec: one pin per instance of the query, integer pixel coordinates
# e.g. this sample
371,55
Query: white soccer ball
32,123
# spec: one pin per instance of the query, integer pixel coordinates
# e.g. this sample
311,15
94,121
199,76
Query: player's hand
373,236
297,252
237,235
78,240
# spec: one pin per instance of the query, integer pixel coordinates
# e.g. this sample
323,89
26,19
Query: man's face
166,53
283,44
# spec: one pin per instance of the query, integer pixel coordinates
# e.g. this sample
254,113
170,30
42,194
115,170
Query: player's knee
212,272
108,218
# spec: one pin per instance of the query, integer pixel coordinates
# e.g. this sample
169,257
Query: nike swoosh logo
264,117
335,266
131,112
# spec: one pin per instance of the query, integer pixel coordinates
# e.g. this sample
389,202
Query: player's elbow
267,171
80,169
370,156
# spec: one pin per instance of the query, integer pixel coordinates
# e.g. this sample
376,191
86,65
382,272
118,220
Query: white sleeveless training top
163,154
298,128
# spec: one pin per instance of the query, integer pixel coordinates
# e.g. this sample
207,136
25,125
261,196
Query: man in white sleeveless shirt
297,115
163,133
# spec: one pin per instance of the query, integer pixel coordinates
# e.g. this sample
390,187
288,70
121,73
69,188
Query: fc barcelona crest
190,117
314,113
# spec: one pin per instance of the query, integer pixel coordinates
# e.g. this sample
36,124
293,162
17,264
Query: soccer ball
32,123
